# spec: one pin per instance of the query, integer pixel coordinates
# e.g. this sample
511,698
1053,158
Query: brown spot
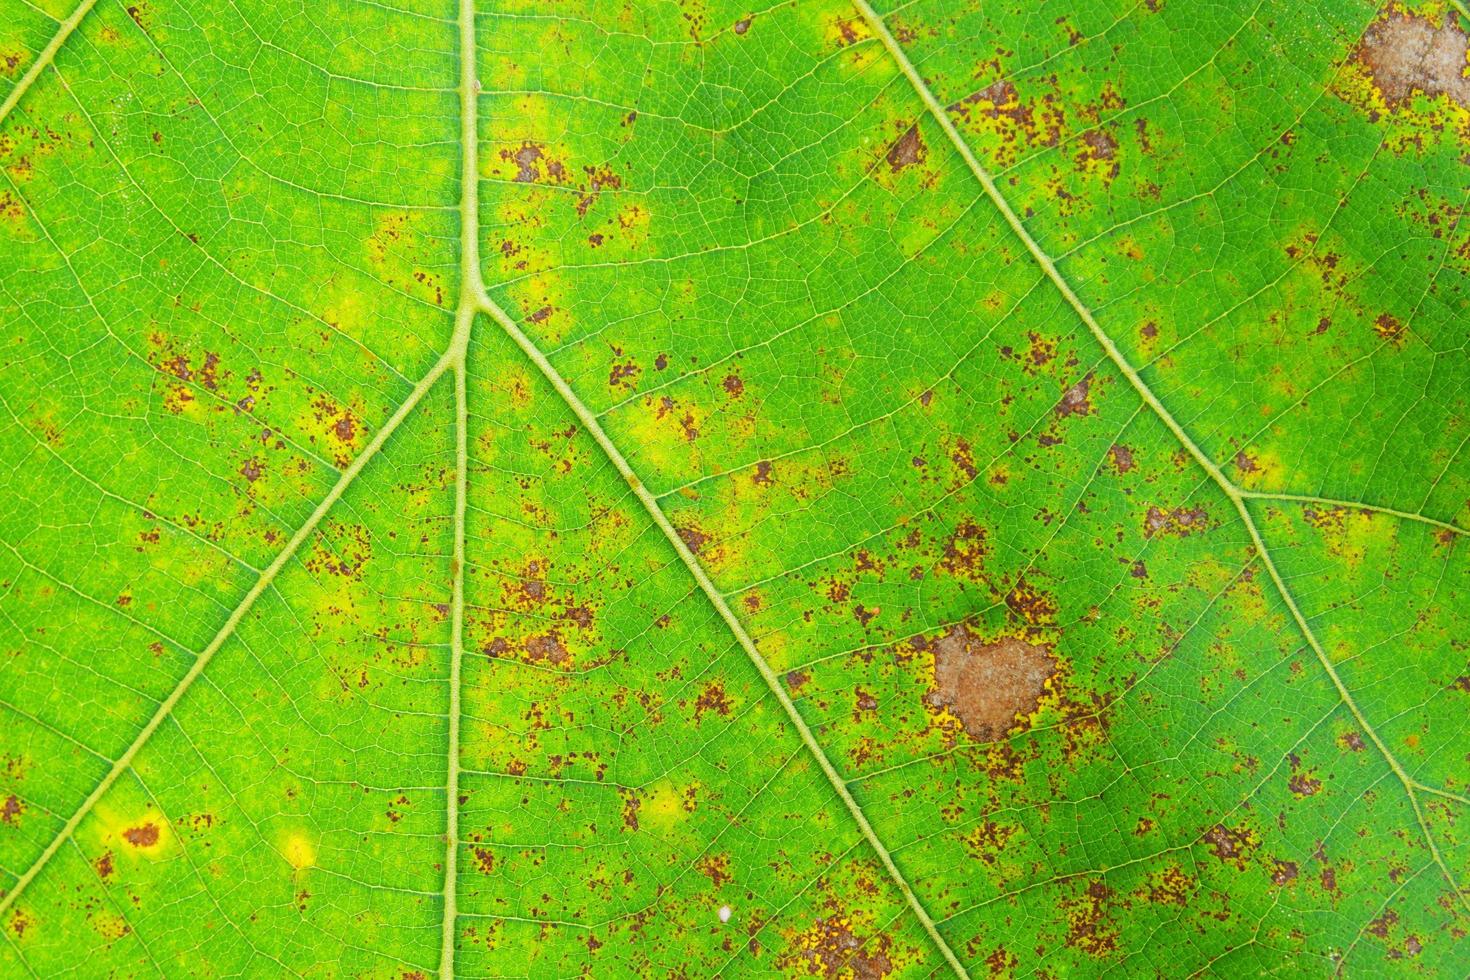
1122,458
484,860
11,810
733,386
694,539
1177,523
986,841
104,866
1303,785
1169,887
1088,927
909,150
716,868
1405,53
1389,328
143,836
546,647
713,698
742,25
829,949
621,373
1232,846
1031,604
1099,146
250,469
1380,926
1074,401
965,550
530,159
988,685
1283,872
631,805
762,475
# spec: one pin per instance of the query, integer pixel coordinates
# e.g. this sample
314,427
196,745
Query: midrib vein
471,299
717,599
1236,495
474,297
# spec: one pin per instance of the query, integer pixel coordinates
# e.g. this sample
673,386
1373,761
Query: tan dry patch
1404,54
987,686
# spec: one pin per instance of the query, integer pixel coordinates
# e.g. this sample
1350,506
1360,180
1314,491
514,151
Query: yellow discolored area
299,849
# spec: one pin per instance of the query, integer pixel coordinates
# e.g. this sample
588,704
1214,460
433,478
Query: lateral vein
1235,494
44,59
716,598
166,707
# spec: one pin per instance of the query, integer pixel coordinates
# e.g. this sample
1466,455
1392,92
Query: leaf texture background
680,489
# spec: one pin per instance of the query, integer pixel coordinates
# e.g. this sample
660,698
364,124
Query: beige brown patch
1405,54
988,685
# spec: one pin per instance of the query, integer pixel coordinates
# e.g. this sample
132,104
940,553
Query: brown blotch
988,685
1231,846
909,150
829,949
713,698
1121,457
548,647
1179,522
142,836
694,539
1405,53
1075,400
1388,327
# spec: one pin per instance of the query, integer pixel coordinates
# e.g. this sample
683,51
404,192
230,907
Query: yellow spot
299,850
666,804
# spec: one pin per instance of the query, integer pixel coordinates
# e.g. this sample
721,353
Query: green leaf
678,489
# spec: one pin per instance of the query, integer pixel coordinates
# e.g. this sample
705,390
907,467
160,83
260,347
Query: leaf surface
677,489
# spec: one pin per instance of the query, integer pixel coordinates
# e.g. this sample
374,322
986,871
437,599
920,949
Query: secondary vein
1236,496
166,707
44,59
